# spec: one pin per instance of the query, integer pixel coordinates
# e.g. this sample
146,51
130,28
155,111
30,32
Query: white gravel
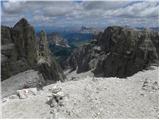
89,97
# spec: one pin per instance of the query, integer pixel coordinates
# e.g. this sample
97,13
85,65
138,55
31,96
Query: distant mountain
57,39
156,29
90,30
76,36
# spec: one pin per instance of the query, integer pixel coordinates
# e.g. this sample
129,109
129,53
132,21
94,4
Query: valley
112,74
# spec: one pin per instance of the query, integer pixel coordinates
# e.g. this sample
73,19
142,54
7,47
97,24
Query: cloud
103,5
60,8
13,6
140,9
70,13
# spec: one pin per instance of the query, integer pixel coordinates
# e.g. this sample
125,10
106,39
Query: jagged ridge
20,52
117,52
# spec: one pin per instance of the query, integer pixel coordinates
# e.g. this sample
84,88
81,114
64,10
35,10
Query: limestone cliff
118,51
21,51
47,64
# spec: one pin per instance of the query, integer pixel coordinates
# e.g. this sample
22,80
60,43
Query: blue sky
98,14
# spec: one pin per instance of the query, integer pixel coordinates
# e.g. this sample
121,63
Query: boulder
56,99
25,93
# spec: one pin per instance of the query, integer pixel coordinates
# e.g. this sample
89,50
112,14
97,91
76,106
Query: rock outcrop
25,41
23,80
47,64
18,48
118,51
21,51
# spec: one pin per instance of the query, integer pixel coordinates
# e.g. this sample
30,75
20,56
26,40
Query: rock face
25,41
20,52
56,39
18,48
47,65
118,51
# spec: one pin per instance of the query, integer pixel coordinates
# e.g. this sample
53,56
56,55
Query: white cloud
104,5
13,6
140,9
86,12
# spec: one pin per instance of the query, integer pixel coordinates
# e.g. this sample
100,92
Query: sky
98,14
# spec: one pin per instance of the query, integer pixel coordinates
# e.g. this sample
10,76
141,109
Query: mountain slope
90,97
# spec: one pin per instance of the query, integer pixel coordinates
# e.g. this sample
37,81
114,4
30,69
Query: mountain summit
117,52
20,52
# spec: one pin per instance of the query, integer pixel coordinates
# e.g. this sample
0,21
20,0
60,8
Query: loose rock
25,93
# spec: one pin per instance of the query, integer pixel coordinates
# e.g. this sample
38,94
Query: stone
25,93
155,86
5,100
56,90
22,94
57,98
60,94
13,97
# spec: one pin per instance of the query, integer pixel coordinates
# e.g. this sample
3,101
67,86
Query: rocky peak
24,38
43,51
19,48
19,52
22,23
118,51
47,64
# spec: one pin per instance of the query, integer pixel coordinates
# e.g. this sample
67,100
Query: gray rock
21,51
25,93
13,97
18,46
47,64
118,51
130,51
57,99
25,41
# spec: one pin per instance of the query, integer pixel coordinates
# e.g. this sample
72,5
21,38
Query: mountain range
112,74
